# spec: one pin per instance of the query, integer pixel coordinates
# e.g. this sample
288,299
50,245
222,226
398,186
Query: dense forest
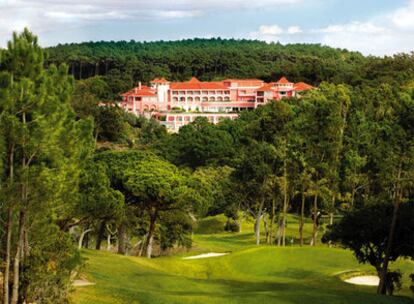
76,174
124,63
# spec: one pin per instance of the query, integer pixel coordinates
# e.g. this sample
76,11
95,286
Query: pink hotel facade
178,103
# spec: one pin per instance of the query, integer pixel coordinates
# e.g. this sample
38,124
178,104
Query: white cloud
355,27
274,32
177,14
294,30
385,34
270,30
60,15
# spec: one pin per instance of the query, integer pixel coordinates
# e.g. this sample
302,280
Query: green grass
250,274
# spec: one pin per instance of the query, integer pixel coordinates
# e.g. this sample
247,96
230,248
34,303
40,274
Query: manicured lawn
249,274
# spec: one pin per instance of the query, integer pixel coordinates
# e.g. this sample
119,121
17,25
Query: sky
373,27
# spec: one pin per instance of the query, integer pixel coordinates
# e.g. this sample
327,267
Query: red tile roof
301,86
243,80
160,80
195,84
143,91
194,80
283,80
267,87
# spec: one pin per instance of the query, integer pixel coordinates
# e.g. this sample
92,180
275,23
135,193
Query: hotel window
190,92
205,92
197,92
197,99
219,92
182,92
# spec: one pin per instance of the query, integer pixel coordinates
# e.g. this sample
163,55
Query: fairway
249,274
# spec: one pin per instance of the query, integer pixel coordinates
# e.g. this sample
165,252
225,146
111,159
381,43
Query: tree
321,124
117,164
366,232
39,180
158,188
99,204
202,143
252,175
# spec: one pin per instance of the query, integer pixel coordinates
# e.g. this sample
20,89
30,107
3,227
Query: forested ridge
210,59
76,174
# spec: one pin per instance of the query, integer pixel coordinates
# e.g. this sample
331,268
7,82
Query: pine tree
44,145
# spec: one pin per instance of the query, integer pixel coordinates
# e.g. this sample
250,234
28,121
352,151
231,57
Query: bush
231,226
211,225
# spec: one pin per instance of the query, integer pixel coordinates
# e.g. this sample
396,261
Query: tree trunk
151,230
82,236
100,235
80,70
285,204
257,223
6,271
279,230
257,228
141,249
266,229
315,220
272,222
17,258
121,239
108,242
397,200
331,217
302,219
9,228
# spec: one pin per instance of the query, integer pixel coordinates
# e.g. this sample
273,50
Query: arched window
219,98
197,99
227,98
175,98
190,99
212,98
182,98
205,98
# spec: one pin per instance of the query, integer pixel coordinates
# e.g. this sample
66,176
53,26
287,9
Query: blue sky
378,27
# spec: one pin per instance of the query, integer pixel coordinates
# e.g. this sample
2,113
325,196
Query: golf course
246,274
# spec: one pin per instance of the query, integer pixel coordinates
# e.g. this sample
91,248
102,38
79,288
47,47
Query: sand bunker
82,282
364,280
204,256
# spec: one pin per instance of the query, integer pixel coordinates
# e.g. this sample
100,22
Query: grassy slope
249,274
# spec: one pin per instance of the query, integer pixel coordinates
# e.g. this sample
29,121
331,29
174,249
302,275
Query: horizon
373,27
